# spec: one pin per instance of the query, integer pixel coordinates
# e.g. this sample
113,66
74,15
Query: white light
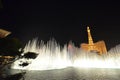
51,56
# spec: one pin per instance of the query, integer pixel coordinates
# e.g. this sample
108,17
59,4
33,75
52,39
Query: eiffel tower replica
98,47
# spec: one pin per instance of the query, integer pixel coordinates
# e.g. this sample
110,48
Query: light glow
52,56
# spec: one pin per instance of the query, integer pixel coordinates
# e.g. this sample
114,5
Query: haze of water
52,56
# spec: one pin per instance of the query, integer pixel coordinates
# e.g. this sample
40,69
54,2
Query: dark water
74,74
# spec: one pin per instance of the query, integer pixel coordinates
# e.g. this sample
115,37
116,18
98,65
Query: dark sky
62,20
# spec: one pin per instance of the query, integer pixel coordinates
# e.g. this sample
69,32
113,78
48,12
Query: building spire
98,47
90,40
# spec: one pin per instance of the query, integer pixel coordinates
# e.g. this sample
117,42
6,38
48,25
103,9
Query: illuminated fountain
50,56
85,63
53,56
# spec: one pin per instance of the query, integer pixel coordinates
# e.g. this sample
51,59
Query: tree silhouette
10,47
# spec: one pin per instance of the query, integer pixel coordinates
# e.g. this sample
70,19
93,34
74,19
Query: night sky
62,20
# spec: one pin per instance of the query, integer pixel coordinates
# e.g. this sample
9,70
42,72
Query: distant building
98,47
4,33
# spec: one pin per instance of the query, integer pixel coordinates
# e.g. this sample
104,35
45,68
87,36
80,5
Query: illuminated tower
90,40
98,47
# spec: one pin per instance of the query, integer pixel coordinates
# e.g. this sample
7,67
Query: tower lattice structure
98,47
